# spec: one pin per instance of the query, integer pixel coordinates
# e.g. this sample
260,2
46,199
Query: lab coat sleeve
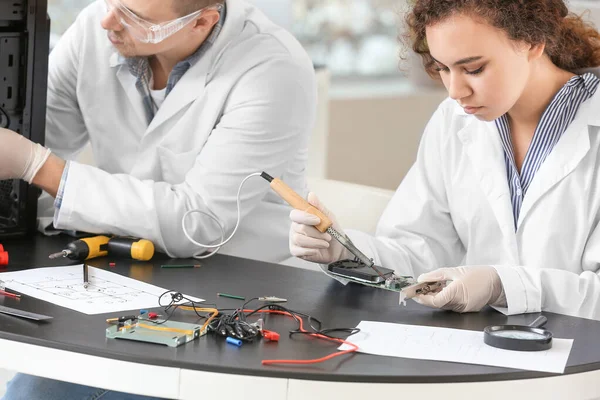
66,133
531,289
415,233
268,117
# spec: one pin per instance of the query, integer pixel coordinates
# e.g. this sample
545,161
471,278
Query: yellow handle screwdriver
100,246
85,249
136,249
299,203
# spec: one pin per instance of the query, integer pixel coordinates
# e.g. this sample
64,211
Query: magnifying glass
519,337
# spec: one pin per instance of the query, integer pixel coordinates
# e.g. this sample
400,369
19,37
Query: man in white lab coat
180,100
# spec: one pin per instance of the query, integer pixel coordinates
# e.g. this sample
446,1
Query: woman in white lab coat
507,177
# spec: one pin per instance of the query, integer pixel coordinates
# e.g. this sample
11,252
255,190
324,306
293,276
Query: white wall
590,9
373,138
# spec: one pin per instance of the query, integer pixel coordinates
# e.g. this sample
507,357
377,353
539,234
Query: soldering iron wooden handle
296,201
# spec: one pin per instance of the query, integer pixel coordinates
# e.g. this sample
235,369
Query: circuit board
373,276
172,334
393,284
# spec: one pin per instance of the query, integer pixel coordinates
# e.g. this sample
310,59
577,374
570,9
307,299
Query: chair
355,206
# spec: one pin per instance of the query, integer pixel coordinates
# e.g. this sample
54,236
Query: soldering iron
296,201
100,246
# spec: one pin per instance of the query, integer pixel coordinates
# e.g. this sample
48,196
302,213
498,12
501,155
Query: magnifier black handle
539,322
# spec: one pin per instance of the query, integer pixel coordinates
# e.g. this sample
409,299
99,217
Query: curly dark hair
571,43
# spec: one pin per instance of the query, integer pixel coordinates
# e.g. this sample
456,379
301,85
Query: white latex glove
471,289
20,158
307,243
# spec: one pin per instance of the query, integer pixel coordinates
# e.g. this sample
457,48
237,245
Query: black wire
174,304
296,315
239,317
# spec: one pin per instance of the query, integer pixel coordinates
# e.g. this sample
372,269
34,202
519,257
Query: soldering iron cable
343,239
223,242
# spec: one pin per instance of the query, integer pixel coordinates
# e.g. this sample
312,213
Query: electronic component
358,270
355,271
230,326
236,328
235,342
395,283
3,257
270,335
122,319
272,299
422,288
172,334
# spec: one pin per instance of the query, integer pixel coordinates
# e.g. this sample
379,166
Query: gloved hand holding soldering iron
469,288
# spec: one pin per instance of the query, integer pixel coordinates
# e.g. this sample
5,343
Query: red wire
316,335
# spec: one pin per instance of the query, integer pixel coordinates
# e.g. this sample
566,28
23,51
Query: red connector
270,335
3,258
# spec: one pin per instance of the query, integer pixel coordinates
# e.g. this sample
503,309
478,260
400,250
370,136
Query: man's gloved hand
471,289
308,243
20,158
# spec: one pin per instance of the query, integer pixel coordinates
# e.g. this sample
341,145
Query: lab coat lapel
127,81
188,89
566,155
482,144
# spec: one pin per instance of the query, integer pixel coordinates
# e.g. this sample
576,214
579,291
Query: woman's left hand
471,289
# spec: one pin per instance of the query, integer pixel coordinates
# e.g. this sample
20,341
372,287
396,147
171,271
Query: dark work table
307,291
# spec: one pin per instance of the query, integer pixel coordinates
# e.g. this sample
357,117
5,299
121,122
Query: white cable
223,242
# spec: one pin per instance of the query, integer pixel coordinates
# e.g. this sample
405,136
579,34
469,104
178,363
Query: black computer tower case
24,48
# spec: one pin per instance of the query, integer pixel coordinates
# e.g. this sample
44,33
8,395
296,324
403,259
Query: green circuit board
169,333
393,284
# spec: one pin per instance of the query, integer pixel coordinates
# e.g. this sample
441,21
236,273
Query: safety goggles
149,32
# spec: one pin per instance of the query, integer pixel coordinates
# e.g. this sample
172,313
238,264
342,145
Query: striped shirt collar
139,67
554,122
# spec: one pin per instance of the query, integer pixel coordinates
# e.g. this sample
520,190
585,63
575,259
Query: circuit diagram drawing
106,291
69,286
